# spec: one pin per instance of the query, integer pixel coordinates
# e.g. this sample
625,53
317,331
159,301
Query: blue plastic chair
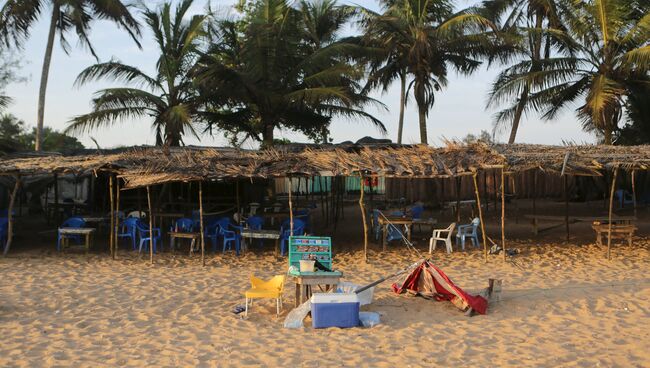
416,212
623,197
468,231
4,229
183,225
129,229
394,233
305,217
72,222
148,236
285,232
228,237
255,222
211,231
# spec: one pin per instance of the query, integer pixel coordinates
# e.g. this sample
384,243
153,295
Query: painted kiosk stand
302,248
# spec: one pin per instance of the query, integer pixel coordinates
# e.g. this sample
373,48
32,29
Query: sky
460,108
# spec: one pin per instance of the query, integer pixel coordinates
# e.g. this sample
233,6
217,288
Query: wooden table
261,234
471,203
163,215
431,222
306,280
173,235
535,219
69,232
385,221
619,231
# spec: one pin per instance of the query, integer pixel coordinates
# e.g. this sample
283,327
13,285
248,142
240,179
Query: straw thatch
145,166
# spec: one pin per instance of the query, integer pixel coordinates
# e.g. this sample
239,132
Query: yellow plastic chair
260,289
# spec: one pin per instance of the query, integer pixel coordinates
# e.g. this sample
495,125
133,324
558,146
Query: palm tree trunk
402,103
44,76
267,134
523,99
422,114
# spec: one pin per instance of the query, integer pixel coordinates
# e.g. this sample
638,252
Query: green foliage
14,137
169,97
282,66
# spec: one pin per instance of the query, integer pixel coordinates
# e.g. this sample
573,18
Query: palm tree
536,30
283,67
612,58
170,97
426,39
17,18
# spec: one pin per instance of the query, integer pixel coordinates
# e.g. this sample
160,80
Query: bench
619,231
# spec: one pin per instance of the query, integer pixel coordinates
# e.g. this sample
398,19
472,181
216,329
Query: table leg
297,294
384,234
277,247
191,247
88,242
410,230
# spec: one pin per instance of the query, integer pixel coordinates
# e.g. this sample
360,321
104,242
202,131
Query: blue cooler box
334,310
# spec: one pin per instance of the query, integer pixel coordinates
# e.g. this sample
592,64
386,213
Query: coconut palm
17,18
424,39
613,59
536,30
282,67
169,97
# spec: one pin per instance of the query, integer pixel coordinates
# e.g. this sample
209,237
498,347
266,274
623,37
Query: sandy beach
561,306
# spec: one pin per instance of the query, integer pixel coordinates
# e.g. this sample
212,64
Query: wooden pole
634,191
150,225
56,198
458,182
10,216
201,221
363,218
111,238
480,216
503,213
535,201
494,188
611,207
117,217
566,206
485,192
239,214
290,207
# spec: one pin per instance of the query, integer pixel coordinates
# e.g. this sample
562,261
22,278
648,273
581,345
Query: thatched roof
144,166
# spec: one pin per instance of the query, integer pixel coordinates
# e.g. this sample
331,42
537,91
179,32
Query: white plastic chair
438,234
137,214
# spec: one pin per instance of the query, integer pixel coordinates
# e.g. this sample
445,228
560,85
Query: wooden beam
363,218
111,239
634,191
10,216
290,207
117,217
503,214
611,207
201,221
150,225
480,216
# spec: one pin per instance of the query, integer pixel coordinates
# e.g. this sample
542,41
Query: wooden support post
503,213
10,216
458,182
56,199
111,235
480,216
117,217
363,218
290,207
485,193
534,200
566,206
201,223
238,203
634,191
611,207
150,225
494,188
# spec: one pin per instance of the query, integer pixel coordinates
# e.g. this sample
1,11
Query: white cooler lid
334,298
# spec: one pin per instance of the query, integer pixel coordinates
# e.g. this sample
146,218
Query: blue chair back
223,223
140,225
416,211
298,227
255,222
184,225
76,222
130,224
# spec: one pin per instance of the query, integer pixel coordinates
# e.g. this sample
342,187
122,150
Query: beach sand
562,305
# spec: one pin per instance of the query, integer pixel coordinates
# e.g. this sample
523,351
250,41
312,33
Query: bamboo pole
56,198
566,206
634,191
494,188
480,216
485,192
150,225
10,216
611,206
117,217
111,239
290,207
239,214
363,218
503,213
201,221
458,182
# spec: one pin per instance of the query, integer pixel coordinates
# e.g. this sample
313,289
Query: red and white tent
429,281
